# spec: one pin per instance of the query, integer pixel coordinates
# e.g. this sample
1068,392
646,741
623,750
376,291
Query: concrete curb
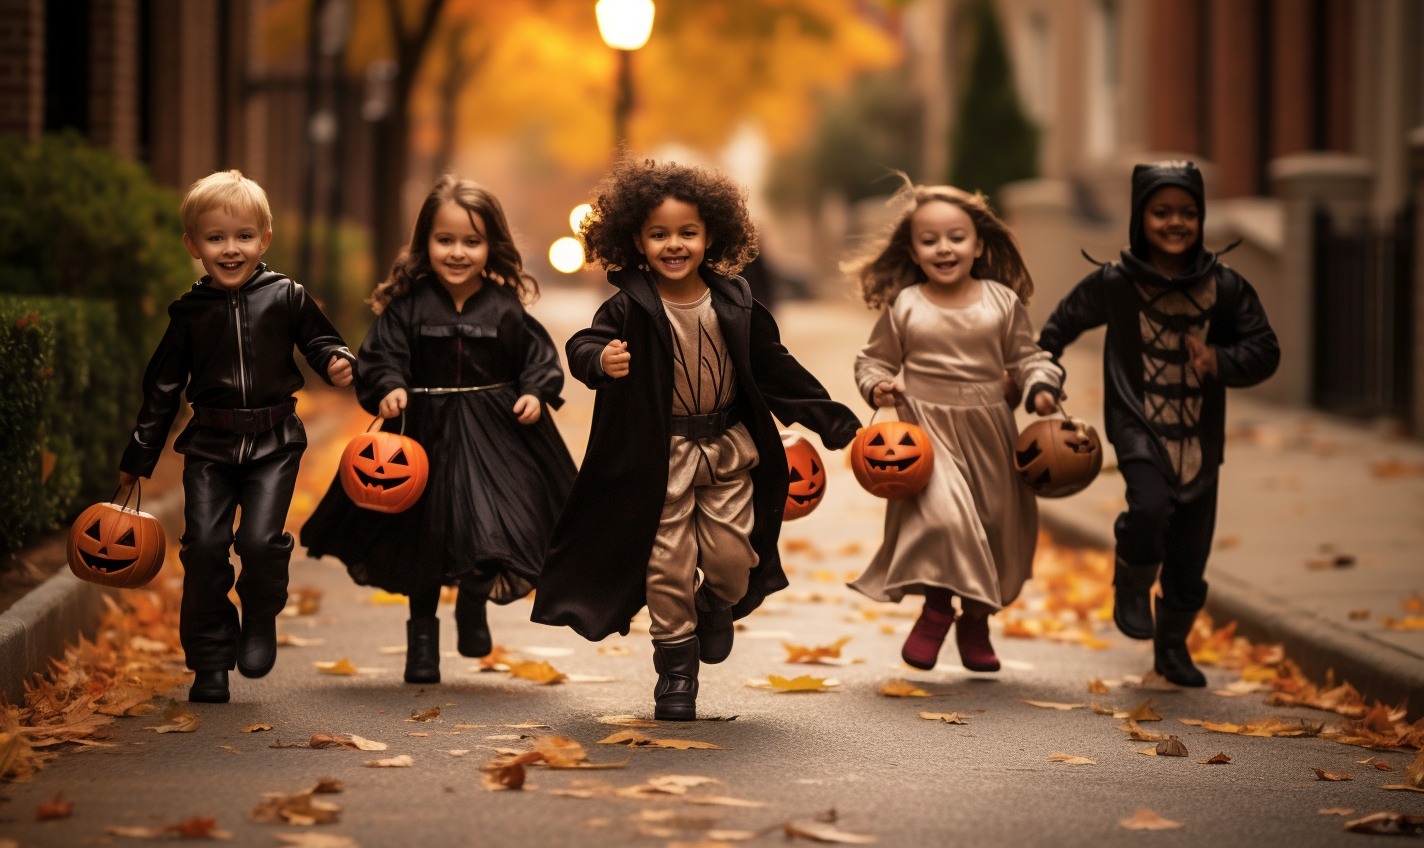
37,627
1318,645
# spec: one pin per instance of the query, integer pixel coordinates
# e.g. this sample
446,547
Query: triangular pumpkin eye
906,440
796,476
368,452
399,458
815,469
93,532
877,440
127,538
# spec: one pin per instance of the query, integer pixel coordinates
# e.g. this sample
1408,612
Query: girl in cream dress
951,287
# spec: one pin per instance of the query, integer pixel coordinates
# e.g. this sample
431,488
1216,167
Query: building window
66,67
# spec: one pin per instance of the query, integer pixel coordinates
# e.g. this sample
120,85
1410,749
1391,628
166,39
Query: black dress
495,487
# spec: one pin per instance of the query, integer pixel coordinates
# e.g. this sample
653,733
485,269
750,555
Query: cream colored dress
974,527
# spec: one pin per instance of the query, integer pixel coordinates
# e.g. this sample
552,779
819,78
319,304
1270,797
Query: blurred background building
1306,115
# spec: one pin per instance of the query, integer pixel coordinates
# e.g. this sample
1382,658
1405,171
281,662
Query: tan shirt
703,377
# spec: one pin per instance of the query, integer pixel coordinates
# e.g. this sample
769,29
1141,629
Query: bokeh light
581,211
566,255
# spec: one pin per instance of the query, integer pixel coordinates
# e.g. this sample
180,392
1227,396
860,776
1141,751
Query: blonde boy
229,342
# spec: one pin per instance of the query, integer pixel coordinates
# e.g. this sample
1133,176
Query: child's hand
339,370
393,403
528,408
1013,392
1203,357
1044,403
884,392
126,479
615,359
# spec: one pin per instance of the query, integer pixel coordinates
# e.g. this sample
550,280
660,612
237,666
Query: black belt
705,427
244,420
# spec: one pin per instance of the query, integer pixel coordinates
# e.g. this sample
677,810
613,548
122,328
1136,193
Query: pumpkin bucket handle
903,410
138,507
378,418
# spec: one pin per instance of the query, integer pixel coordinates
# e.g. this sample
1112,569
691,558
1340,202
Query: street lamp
625,26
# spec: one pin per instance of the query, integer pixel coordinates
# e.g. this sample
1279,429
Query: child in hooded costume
679,500
1181,328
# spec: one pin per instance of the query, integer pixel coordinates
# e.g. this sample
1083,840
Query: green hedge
66,408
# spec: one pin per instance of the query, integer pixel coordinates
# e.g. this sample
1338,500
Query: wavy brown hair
505,266
630,192
883,273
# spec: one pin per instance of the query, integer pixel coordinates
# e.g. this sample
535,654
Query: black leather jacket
232,350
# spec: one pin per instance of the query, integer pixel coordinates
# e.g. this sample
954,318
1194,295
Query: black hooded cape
594,576
1246,348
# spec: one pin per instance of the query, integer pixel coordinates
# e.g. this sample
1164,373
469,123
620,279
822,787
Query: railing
1363,317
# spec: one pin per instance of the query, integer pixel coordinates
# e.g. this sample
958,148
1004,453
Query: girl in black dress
453,350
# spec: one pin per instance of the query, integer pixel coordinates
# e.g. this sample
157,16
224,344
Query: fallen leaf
422,735
508,772
297,808
256,728
429,715
458,752
724,801
1052,705
341,666
1171,747
1153,680
381,598
1143,712
800,654
637,740
1145,819
1322,774
230,749
948,718
178,720
1336,811
1218,760
804,683
627,721
1402,786
402,761
1384,766
316,840
1071,760
819,831
194,828
539,672
615,650
903,689
1140,735
59,808
1414,775
1387,823
1097,687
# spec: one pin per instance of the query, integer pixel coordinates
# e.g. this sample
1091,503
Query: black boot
471,626
257,646
714,626
422,650
209,687
1170,655
1132,598
676,692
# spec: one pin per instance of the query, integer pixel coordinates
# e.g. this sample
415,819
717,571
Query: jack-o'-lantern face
114,546
806,476
1056,458
384,472
892,459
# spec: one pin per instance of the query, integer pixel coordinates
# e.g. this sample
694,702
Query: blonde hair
229,190
883,272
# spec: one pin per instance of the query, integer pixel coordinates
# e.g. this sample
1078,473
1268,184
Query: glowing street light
625,26
566,255
576,217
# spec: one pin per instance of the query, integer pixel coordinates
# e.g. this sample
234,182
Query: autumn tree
994,141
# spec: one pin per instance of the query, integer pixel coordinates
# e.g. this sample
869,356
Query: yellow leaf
382,599
539,672
1145,819
1143,712
341,666
948,718
1097,687
804,683
256,728
637,740
800,654
1071,760
1052,705
903,689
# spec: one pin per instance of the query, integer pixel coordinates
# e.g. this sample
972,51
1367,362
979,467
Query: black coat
232,350
1246,353
595,573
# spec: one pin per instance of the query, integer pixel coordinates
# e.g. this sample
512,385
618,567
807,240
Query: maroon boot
972,636
927,636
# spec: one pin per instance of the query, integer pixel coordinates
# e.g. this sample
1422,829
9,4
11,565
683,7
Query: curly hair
505,266
882,273
630,192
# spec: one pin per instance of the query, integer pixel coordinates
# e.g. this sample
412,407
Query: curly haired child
1181,328
679,500
453,349
951,287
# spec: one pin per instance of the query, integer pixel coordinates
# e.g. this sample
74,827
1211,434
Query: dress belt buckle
246,421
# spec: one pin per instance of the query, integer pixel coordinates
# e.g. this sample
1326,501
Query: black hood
1146,180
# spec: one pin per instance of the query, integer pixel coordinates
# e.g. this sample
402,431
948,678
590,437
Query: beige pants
706,522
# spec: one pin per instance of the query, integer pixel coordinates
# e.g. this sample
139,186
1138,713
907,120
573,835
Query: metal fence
1363,317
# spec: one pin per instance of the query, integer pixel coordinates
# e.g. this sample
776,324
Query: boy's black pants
212,491
1158,528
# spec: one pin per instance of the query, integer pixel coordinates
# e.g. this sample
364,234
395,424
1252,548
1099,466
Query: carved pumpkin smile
892,459
115,546
384,472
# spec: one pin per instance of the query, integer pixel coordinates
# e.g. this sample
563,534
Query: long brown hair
504,266
883,273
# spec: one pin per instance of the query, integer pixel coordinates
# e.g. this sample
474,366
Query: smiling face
113,546
383,471
674,239
229,243
1171,222
944,242
458,246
